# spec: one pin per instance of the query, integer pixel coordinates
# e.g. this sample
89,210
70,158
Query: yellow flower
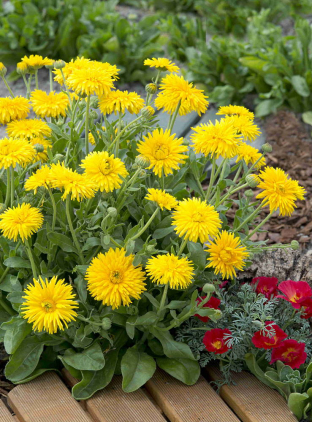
234,110
2,67
162,64
279,190
22,68
250,155
42,178
104,170
35,62
91,138
49,305
74,64
196,220
114,280
23,221
79,186
226,255
15,151
28,128
245,127
170,269
175,89
49,105
216,139
120,101
45,143
92,80
163,199
163,150
13,108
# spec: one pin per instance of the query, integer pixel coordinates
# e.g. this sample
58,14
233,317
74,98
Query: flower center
105,166
288,352
279,187
217,344
116,277
161,152
48,305
226,255
198,217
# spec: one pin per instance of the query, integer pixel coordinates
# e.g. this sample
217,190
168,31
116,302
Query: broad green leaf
184,370
160,233
296,403
300,85
172,349
137,368
91,359
15,331
307,117
11,284
147,319
62,241
16,262
198,255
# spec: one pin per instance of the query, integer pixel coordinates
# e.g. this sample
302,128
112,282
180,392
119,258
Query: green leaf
15,331
137,368
255,369
91,359
147,319
160,233
185,370
307,117
172,349
198,255
24,361
62,241
93,381
11,284
296,403
16,262
300,85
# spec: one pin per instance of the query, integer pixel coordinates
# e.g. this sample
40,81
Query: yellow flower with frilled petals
279,190
226,254
21,221
245,127
234,110
114,280
219,139
35,62
196,220
42,178
250,155
104,170
49,105
170,269
49,305
78,186
28,128
162,64
13,109
120,101
45,143
162,198
174,90
163,150
93,80
15,151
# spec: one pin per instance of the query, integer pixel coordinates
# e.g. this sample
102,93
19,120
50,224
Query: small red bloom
264,342
216,342
296,292
212,303
290,352
306,308
223,284
266,285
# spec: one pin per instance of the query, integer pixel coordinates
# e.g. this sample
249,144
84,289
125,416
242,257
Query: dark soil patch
5,385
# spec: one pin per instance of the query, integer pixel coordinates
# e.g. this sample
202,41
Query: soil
5,385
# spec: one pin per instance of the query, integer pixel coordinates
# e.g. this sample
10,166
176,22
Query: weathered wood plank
46,399
182,403
251,400
5,415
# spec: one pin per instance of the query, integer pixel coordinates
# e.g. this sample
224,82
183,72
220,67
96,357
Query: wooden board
252,400
45,399
182,403
5,415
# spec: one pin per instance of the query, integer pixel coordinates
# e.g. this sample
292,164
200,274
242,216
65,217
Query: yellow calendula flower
28,128
74,64
21,221
119,101
226,254
163,150
245,127
93,80
15,151
162,198
91,138
196,220
78,186
42,143
114,280
279,190
49,105
22,68
250,154
170,269
49,305
13,109
42,178
162,64
234,110
176,90
36,62
219,139
104,170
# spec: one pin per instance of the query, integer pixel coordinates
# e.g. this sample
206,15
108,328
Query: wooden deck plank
46,399
182,403
5,415
251,400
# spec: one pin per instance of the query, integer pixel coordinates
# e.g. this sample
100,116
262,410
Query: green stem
115,243
4,274
162,180
118,131
29,86
230,192
183,244
8,189
31,259
54,208
150,96
254,164
87,125
200,186
126,185
51,80
7,85
212,177
259,225
12,185
122,132
250,217
36,79
170,126
163,299
149,222
71,228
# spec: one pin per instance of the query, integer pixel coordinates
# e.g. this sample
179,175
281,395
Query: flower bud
294,245
112,212
50,66
3,70
258,324
39,147
94,102
267,147
150,249
209,288
142,174
22,68
142,161
59,64
249,193
252,180
217,314
58,158
106,323
151,88
93,114
148,112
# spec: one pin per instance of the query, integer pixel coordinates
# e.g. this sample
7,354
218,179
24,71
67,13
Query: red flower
306,308
266,285
264,342
290,352
223,284
296,292
216,342
212,303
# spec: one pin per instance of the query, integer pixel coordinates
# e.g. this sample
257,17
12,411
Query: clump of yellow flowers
109,221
